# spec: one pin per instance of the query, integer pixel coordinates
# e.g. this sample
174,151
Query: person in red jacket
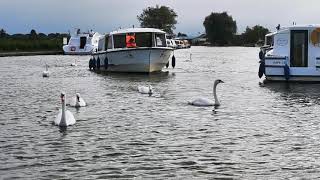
131,40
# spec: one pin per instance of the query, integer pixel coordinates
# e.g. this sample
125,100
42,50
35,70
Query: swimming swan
65,117
145,90
78,101
74,64
208,102
46,72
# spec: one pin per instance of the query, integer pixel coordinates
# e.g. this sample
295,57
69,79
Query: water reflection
303,93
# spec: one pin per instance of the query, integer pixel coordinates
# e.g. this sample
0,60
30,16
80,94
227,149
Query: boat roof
295,27
136,30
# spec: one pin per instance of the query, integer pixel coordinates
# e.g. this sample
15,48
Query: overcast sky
20,16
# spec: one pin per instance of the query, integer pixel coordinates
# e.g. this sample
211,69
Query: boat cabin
297,48
134,38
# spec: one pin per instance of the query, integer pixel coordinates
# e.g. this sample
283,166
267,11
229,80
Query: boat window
83,41
144,39
161,40
73,41
109,43
131,40
106,40
269,40
119,41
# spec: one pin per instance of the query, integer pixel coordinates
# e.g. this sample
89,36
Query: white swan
65,117
78,101
208,102
46,72
74,64
145,90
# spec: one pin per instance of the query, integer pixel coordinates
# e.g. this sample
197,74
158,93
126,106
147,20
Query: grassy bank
32,42
27,45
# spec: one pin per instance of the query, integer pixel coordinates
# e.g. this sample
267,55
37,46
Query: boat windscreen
161,40
144,39
119,41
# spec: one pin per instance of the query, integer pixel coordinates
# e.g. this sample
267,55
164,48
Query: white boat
132,50
83,43
291,54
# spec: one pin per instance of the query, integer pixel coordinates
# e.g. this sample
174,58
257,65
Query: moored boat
291,54
83,43
132,50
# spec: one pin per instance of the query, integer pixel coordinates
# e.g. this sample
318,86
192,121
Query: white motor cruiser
133,50
291,54
83,43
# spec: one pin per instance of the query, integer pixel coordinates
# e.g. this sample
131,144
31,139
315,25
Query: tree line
32,41
220,28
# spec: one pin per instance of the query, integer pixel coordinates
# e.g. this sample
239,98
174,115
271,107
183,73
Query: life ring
98,63
106,63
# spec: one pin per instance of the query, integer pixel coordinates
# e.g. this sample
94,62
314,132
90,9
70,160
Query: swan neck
63,115
216,100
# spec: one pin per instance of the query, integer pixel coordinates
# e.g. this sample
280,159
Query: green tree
33,34
220,28
3,33
254,34
158,17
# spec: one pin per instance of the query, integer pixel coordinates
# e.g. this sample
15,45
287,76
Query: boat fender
106,63
261,69
261,55
94,63
173,64
286,70
90,63
98,63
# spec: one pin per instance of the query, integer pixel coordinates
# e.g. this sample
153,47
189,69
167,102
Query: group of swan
196,102
65,117
46,72
205,101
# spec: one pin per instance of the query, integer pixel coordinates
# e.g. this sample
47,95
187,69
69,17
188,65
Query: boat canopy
137,30
136,38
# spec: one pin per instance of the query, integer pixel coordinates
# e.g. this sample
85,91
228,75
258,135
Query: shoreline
32,53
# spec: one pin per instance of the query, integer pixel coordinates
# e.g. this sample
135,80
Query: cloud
20,16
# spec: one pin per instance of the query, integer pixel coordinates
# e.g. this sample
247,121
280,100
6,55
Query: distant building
201,40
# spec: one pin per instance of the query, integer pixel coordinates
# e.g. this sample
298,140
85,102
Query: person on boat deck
130,41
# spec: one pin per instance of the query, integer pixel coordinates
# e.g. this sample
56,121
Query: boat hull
143,60
75,50
275,71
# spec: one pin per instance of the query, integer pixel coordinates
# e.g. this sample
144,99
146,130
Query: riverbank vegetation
31,42
220,30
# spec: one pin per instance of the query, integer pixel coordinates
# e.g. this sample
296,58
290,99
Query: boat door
299,48
83,41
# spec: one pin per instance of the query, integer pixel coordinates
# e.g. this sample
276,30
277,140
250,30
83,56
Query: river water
258,132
